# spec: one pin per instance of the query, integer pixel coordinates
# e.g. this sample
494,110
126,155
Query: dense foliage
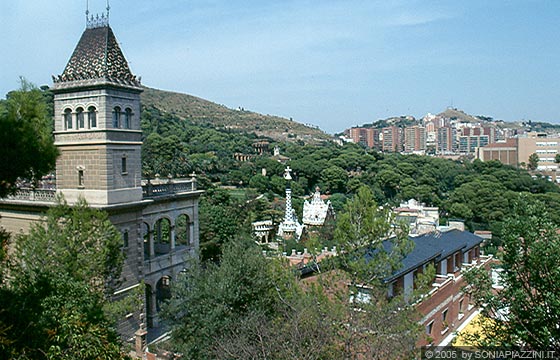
525,312
247,306
26,136
61,276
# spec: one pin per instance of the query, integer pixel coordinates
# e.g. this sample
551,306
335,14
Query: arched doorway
163,291
182,230
162,236
146,238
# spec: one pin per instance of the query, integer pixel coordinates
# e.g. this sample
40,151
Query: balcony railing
30,194
172,187
149,189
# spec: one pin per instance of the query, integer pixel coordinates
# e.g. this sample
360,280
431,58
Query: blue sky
334,64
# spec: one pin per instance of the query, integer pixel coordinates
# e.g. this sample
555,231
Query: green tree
333,179
28,150
533,161
209,301
389,182
217,225
61,277
248,306
526,311
259,182
371,250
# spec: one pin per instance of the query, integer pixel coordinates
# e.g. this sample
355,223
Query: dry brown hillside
200,111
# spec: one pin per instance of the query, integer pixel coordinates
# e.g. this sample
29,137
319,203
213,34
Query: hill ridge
201,111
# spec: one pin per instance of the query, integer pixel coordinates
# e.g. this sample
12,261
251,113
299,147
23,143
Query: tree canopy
247,305
525,310
28,150
61,276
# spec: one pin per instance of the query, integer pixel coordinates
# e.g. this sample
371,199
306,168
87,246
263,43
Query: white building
316,211
421,219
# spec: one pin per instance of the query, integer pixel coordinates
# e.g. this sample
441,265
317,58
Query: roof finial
97,21
108,8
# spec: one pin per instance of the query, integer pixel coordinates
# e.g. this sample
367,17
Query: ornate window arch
67,118
117,117
128,118
92,117
80,122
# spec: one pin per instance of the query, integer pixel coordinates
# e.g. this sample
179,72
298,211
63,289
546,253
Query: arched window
92,117
127,118
68,119
117,117
80,118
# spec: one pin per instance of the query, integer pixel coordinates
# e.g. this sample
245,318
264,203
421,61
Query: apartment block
366,136
391,139
415,139
445,142
469,143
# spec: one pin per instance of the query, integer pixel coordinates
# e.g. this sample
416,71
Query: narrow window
123,165
125,239
127,118
117,117
80,118
68,119
81,178
92,117
444,323
429,328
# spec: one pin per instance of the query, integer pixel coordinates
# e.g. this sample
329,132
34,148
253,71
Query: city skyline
332,64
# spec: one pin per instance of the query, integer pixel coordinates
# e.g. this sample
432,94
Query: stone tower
97,122
97,131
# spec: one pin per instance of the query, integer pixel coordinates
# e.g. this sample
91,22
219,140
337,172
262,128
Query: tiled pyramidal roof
98,57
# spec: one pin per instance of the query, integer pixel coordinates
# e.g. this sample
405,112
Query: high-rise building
391,139
366,136
414,139
480,130
445,142
469,143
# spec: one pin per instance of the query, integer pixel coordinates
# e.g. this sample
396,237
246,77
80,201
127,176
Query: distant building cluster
438,135
433,134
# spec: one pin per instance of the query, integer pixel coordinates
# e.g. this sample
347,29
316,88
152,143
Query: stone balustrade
30,194
149,190
172,187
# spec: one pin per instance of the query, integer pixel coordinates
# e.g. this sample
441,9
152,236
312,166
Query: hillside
204,112
460,115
